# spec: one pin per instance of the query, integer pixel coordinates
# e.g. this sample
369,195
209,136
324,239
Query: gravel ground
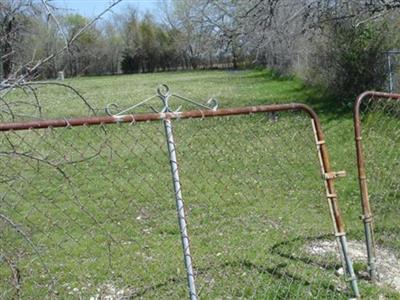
110,292
387,263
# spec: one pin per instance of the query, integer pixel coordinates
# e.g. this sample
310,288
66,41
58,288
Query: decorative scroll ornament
165,95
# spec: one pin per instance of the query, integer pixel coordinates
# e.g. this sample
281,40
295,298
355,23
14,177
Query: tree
23,59
129,64
132,54
112,46
352,59
80,54
147,30
14,24
272,31
149,46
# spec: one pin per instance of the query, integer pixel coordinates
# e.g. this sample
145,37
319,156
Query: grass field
97,203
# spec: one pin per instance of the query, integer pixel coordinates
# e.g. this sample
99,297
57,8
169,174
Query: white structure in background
393,68
60,75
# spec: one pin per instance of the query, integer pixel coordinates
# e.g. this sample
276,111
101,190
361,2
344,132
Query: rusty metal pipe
154,116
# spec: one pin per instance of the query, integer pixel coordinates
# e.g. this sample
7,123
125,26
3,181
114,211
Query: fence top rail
366,94
133,118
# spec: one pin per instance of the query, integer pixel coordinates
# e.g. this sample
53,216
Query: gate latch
333,175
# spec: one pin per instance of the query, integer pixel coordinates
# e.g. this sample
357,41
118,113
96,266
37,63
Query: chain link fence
377,129
89,211
84,210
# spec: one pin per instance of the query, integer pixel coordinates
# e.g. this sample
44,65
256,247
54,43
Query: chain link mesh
254,193
85,210
381,133
89,212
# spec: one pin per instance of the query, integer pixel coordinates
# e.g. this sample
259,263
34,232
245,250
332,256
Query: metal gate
86,208
377,137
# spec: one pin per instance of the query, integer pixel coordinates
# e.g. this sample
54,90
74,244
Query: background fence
393,65
378,140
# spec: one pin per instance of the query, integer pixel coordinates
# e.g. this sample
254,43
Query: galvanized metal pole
370,243
390,72
180,209
349,263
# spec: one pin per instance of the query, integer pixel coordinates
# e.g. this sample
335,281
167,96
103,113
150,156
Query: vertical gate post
367,217
366,209
180,208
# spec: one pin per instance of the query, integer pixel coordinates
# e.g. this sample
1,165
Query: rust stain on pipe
154,116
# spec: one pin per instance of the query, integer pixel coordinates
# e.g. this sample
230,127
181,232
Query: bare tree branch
67,86
18,229
51,14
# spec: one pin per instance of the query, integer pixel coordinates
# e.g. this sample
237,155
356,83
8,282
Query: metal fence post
390,72
180,208
392,69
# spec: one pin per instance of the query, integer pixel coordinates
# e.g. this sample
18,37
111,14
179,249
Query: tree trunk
1,65
7,49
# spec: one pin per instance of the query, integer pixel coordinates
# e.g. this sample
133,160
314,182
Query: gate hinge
333,175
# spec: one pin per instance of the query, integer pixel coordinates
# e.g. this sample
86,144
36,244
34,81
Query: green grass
103,211
230,88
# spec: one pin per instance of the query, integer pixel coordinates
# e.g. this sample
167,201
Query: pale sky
91,8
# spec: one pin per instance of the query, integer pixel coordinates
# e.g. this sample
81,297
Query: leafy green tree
84,51
351,59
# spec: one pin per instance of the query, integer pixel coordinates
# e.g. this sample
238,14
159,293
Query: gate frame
327,174
367,216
